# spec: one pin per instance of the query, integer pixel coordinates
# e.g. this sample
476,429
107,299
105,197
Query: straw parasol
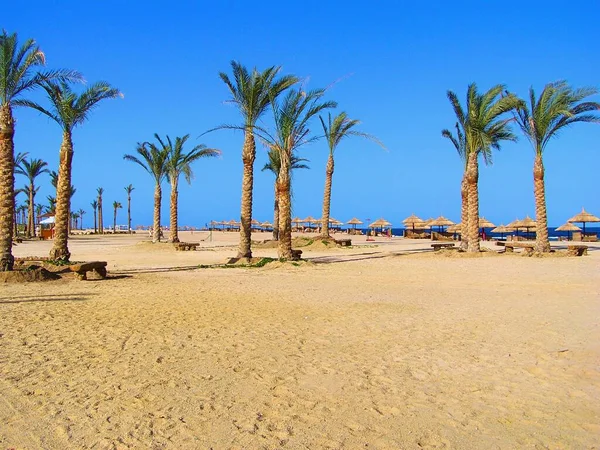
310,219
266,225
441,222
380,223
413,221
584,217
568,227
456,228
502,229
484,223
354,221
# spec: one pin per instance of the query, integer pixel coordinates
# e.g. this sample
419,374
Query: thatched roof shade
528,222
502,229
456,228
380,223
441,222
412,221
310,219
297,220
255,222
354,221
266,225
484,223
568,227
516,224
584,216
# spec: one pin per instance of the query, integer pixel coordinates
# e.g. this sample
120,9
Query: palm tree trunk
276,215
542,243
473,206
115,221
95,222
100,219
7,187
464,212
285,217
248,157
327,196
60,250
15,228
129,213
157,202
174,197
30,230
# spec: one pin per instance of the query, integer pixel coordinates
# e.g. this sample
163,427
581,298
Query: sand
379,346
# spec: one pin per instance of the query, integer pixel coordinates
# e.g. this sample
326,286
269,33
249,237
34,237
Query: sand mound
155,246
304,243
28,274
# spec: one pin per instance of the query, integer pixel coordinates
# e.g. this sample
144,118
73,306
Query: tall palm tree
334,131
292,116
31,169
51,209
94,206
180,162
69,110
153,159
100,191
274,165
81,213
129,189
484,130
38,211
557,107
75,217
116,205
18,75
252,94
460,145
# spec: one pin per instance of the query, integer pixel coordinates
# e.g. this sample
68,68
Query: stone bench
186,246
343,242
527,248
438,247
577,250
81,269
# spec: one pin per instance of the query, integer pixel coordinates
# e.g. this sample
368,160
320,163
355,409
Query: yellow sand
370,347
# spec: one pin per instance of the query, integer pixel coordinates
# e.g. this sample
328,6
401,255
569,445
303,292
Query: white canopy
47,220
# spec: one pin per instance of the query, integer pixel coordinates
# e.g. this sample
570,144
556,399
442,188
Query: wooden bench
186,246
296,254
81,270
343,242
438,247
527,248
577,250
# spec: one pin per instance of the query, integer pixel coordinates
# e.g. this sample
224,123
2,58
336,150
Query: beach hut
569,227
584,217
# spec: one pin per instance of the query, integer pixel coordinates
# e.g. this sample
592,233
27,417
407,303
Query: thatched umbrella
502,230
569,227
584,217
380,223
310,220
441,222
456,228
528,223
413,221
484,223
354,221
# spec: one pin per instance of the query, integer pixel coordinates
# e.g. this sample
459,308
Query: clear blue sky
398,60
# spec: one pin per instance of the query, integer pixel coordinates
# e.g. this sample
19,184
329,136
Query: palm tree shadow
127,273
48,298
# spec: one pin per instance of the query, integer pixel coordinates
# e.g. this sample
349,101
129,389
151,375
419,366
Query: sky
387,63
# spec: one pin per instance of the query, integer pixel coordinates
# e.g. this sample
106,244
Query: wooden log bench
81,269
438,247
509,247
186,246
577,250
343,242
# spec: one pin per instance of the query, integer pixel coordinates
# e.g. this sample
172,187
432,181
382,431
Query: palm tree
129,189
116,205
38,211
460,145
18,75
484,130
274,165
75,216
154,161
292,117
180,162
94,206
558,106
68,110
100,191
252,93
31,169
51,209
81,212
334,131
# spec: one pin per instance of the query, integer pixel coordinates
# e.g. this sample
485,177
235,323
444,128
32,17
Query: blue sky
395,60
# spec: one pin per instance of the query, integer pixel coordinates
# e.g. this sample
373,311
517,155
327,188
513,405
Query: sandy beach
383,346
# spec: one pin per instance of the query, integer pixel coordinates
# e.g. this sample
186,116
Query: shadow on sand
80,297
